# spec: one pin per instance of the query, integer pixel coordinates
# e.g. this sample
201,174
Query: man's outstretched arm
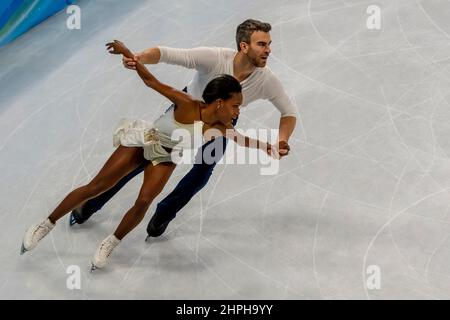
148,56
288,119
202,59
286,128
178,97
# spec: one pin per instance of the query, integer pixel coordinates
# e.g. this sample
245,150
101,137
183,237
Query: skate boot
34,234
101,256
80,215
156,228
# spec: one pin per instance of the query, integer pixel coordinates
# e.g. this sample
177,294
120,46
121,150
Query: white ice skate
34,234
101,256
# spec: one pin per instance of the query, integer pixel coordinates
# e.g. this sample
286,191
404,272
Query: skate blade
22,249
147,238
72,220
93,268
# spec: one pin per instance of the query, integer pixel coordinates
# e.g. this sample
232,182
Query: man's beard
259,63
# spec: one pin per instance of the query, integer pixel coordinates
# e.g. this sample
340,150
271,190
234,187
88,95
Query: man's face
258,50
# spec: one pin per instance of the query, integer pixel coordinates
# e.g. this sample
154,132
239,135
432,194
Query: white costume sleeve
203,59
276,94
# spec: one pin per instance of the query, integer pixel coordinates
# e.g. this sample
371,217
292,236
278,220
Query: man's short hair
245,30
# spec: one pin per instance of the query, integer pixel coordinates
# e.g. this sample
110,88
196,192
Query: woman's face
228,110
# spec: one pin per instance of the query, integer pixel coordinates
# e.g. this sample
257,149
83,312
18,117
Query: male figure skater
248,66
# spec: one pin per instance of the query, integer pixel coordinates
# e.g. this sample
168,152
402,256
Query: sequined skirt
140,133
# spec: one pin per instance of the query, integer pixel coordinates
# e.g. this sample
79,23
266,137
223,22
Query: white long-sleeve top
210,62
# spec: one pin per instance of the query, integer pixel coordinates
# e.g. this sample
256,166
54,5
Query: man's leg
191,183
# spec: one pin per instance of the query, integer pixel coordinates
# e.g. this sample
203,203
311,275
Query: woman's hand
273,151
117,47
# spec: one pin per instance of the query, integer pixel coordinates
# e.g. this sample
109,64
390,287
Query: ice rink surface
366,186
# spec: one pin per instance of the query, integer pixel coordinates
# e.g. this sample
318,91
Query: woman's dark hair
221,87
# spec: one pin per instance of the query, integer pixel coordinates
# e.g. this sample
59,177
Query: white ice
367,182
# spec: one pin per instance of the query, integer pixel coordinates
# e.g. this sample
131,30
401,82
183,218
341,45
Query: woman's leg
155,178
87,209
120,163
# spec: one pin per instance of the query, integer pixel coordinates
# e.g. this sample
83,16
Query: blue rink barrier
18,16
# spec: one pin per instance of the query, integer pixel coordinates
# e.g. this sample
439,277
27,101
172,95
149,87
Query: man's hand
278,152
117,47
130,63
283,148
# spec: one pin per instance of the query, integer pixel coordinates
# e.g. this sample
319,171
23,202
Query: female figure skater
137,141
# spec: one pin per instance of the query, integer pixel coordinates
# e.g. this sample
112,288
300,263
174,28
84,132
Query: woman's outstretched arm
229,132
178,97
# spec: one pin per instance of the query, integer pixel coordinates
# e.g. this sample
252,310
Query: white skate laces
101,256
34,234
